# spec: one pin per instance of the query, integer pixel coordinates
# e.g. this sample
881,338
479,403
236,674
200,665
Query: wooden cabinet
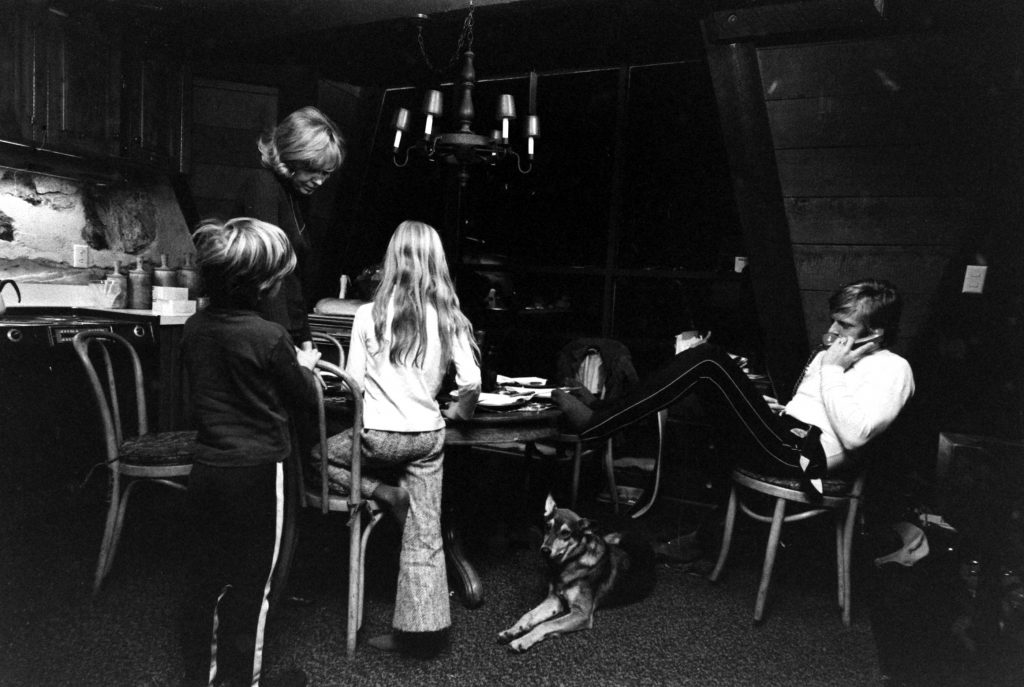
82,80
93,84
156,93
17,75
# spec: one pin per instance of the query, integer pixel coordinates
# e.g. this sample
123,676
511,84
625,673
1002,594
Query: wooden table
530,423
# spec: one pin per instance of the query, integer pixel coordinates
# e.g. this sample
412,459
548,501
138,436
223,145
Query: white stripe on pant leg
686,390
213,636
257,659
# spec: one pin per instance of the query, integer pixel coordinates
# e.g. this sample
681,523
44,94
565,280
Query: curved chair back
330,340
354,499
106,391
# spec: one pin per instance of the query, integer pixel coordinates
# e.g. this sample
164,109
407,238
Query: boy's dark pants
236,521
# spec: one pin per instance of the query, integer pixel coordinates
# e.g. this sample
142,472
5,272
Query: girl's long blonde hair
416,276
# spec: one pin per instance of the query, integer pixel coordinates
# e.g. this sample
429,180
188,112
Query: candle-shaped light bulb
506,112
431,108
401,124
532,132
495,135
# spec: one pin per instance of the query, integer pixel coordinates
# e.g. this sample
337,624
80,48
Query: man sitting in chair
851,390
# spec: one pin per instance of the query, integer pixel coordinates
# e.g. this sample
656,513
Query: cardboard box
174,307
170,293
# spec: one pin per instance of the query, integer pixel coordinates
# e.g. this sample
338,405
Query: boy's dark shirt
243,378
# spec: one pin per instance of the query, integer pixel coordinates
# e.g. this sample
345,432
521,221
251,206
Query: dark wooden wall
898,154
880,162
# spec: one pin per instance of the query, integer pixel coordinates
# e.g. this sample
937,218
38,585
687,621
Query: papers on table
501,400
521,381
534,392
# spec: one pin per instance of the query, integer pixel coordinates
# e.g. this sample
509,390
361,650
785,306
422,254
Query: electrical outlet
80,256
974,278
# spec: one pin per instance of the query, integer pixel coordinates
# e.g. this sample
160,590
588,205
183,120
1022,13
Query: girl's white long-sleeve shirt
403,398
855,405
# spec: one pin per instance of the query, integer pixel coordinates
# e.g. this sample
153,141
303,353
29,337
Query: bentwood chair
841,499
317,494
134,454
590,371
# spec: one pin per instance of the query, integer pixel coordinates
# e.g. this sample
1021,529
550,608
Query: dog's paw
506,636
518,646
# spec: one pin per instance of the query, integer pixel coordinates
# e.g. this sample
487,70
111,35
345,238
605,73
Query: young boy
244,376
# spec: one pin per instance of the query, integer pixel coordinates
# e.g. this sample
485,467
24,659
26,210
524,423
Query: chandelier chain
465,43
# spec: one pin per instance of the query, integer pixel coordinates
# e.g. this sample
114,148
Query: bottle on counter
188,278
140,288
164,275
119,286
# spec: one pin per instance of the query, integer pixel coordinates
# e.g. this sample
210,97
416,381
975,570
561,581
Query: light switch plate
80,256
974,278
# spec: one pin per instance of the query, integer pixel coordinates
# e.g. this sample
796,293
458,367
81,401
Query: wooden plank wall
227,119
879,159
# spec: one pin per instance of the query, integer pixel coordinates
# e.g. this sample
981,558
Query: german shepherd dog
585,571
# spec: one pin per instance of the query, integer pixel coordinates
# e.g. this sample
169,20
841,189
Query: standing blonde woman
298,156
402,344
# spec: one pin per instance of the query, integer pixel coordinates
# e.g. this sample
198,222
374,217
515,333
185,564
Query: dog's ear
549,507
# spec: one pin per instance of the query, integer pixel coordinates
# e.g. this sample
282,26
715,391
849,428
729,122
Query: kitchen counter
161,319
78,297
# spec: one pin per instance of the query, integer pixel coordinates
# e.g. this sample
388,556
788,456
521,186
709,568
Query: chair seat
161,448
832,486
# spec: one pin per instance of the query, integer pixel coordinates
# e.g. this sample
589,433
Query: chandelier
464,148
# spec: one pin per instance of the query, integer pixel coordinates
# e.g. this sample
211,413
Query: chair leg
851,520
577,456
106,547
371,523
662,419
609,470
730,521
769,558
107,560
354,581
840,563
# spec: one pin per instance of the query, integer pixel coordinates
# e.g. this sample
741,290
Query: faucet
3,283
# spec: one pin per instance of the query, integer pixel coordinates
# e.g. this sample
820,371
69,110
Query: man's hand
843,354
307,358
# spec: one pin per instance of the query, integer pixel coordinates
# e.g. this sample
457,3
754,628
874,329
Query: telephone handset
866,340
829,338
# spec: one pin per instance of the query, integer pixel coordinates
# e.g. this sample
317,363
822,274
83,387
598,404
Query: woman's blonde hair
241,259
306,140
415,276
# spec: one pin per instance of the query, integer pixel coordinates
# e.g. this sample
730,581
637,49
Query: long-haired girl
402,345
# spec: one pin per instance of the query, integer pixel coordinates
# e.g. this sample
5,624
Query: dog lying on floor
585,571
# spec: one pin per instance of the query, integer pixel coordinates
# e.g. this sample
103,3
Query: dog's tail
637,575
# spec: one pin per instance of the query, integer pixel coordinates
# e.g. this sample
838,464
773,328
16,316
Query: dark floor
53,632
